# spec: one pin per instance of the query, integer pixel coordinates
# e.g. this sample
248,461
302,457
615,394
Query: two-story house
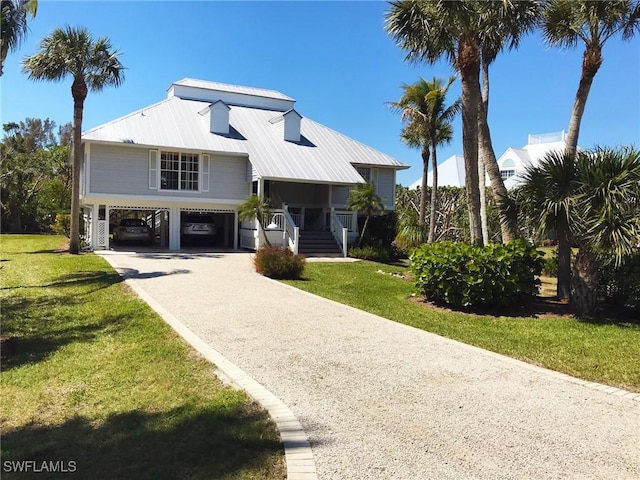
208,146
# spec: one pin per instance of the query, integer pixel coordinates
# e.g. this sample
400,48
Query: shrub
62,224
375,254
281,263
459,274
550,266
620,286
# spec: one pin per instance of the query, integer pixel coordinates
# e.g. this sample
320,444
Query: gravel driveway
380,400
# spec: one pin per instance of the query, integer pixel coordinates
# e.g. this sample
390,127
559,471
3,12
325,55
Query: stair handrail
340,233
291,231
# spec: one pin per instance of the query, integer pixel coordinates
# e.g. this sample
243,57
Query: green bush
620,286
550,266
459,274
62,224
375,254
280,263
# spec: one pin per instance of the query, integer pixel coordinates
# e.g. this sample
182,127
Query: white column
174,228
106,229
95,216
235,230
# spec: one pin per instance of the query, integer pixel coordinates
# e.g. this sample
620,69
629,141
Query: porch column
95,217
174,228
106,228
236,227
163,228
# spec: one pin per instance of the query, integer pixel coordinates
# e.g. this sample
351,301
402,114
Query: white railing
297,219
346,219
340,232
283,221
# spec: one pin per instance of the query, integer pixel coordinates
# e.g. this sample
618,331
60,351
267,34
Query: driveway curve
381,400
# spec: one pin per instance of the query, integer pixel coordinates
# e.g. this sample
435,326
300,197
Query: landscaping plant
281,263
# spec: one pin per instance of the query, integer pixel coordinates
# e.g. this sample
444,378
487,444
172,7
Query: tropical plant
93,66
256,208
592,199
364,200
568,22
14,25
427,125
430,30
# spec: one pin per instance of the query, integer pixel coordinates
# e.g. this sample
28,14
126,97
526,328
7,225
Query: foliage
100,379
257,208
62,225
365,201
381,229
601,351
276,262
94,65
376,254
459,274
35,183
14,25
550,267
620,284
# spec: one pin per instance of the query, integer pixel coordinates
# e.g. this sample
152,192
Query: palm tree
607,217
93,66
460,31
569,22
428,125
547,192
255,207
365,201
592,199
14,25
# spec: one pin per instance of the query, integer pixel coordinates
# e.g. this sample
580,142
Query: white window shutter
153,169
205,173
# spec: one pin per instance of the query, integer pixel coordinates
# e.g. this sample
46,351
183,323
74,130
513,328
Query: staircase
318,244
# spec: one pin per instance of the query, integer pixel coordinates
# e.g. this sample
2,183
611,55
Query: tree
569,22
93,66
365,201
592,199
14,25
430,30
428,125
256,208
566,23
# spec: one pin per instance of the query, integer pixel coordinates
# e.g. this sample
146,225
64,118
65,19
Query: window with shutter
153,169
205,173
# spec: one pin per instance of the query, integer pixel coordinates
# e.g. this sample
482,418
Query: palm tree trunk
468,62
364,229
564,264
481,166
591,61
79,92
434,191
423,192
584,283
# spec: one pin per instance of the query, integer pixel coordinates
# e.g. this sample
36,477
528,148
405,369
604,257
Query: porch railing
347,220
339,231
283,221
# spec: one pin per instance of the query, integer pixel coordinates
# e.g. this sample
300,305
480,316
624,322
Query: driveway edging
297,450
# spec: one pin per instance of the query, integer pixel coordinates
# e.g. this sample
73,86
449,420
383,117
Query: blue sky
333,57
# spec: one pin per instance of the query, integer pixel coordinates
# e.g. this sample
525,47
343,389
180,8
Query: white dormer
219,121
291,120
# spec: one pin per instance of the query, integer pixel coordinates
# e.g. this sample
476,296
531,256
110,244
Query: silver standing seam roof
322,156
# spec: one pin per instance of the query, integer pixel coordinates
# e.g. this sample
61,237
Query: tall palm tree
569,22
365,201
93,66
14,25
427,125
462,32
256,208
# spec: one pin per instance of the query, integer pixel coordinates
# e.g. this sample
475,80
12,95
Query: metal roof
323,155
223,87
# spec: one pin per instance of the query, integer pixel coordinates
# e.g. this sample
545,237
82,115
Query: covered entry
215,228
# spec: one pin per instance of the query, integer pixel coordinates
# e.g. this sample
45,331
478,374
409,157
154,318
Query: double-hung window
179,171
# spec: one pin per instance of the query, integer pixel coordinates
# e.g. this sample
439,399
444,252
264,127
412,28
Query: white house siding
115,169
387,187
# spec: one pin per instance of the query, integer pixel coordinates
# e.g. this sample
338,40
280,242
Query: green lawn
605,352
100,380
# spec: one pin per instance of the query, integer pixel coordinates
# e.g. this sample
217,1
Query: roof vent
219,117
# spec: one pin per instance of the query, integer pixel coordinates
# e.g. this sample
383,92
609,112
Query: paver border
297,450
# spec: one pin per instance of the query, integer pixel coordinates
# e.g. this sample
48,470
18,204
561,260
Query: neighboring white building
207,147
512,163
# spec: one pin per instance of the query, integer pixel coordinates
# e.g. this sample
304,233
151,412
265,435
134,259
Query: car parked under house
208,146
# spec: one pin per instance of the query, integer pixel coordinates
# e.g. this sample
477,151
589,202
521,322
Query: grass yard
98,379
605,352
